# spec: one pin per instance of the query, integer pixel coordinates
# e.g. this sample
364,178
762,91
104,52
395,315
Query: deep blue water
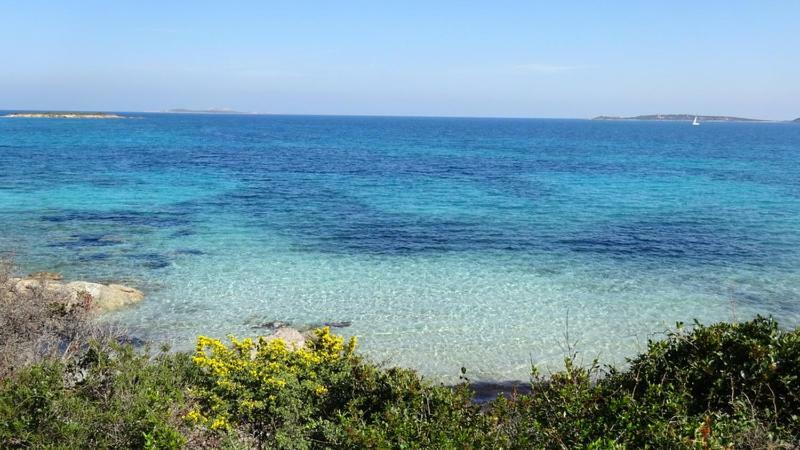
446,242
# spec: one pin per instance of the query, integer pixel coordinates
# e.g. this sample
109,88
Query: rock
21,285
49,276
131,340
293,338
7,288
484,392
103,297
275,324
25,286
310,334
107,297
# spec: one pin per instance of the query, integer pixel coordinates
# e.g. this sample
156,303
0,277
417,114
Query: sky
431,58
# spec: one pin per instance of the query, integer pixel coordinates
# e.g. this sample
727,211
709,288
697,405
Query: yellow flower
194,416
248,369
351,346
218,423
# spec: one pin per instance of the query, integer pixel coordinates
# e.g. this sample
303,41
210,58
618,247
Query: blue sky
455,58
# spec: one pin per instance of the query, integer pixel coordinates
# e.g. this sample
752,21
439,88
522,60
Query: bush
266,387
739,381
37,324
692,390
105,399
323,395
711,387
716,366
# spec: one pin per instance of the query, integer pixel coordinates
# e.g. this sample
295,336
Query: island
64,115
206,111
680,117
797,120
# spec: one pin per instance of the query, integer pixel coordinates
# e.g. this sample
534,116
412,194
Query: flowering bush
721,387
265,385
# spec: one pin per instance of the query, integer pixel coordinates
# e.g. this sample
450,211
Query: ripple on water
441,242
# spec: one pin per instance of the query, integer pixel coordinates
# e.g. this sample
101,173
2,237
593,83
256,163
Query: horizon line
388,115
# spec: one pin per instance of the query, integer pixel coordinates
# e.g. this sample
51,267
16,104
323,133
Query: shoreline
104,298
88,376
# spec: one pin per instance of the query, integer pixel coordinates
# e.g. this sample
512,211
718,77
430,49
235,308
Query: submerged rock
310,327
273,325
486,391
136,342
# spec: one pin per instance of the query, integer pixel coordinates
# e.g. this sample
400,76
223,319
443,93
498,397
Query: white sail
695,122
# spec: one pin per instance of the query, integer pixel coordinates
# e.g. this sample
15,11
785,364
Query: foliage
323,395
716,366
105,399
709,387
719,386
265,386
37,323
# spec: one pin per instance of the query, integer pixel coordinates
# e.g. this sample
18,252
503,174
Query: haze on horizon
504,58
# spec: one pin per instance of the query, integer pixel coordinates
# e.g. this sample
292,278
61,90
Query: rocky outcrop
294,339
101,297
107,297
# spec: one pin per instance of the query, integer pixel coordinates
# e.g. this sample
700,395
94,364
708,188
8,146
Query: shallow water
445,242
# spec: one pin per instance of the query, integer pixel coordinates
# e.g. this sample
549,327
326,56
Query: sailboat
695,122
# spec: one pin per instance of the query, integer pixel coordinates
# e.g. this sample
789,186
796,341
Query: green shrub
719,386
722,386
728,371
325,396
116,399
717,365
395,408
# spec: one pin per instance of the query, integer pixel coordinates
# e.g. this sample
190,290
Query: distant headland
206,111
64,115
681,117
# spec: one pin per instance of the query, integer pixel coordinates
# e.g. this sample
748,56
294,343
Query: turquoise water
444,242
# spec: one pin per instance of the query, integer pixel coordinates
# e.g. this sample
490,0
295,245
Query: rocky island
680,117
64,115
205,111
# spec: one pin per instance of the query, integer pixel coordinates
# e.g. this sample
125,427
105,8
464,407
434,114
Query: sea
489,244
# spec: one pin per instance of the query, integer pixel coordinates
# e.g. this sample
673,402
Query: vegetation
703,387
38,324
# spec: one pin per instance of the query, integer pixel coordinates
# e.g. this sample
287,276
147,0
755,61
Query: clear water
446,242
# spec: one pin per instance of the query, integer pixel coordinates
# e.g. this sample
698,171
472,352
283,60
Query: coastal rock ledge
103,297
